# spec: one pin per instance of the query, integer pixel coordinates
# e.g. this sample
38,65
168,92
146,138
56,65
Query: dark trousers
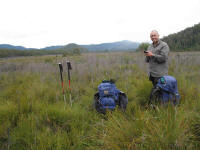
154,80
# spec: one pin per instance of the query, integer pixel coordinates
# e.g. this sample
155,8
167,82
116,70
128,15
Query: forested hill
185,40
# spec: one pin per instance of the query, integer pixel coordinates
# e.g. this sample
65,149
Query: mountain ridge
119,45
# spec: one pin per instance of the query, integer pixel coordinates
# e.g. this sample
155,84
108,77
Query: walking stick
61,77
69,67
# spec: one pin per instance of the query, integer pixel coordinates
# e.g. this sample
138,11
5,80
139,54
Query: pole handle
69,65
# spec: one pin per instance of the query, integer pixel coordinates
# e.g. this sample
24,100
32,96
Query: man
157,57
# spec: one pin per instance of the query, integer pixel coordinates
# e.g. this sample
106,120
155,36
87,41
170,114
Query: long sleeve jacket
158,64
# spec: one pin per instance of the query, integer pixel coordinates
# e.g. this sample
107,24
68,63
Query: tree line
185,40
14,53
188,39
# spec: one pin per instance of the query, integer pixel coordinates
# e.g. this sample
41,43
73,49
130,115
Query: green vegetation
14,53
188,39
70,49
32,114
143,47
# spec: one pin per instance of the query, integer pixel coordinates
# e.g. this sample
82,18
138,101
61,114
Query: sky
41,23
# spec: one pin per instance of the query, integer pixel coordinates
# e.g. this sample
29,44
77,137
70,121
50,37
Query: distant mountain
114,46
52,47
188,39
8,46
67,50
12,47
71,47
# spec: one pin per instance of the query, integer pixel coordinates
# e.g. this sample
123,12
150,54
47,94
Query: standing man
157,57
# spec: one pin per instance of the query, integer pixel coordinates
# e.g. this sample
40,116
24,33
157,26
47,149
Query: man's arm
162,57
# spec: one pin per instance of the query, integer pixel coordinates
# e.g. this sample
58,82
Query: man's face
154,37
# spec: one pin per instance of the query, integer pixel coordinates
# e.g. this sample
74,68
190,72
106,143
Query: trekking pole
69,67
61,77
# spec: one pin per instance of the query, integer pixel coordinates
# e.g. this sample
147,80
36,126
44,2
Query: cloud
20,35
40,23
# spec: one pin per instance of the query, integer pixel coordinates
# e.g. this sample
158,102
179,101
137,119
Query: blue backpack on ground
108,97
166,90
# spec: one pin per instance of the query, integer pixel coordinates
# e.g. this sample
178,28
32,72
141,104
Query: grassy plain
33,115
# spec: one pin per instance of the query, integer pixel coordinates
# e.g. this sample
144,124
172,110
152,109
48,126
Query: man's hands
149,53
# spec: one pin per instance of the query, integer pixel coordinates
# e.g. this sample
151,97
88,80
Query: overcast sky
41,23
